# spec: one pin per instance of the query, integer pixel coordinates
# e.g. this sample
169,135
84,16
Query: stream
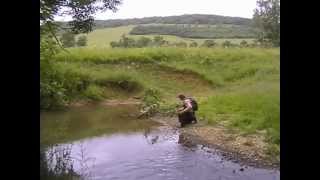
110,143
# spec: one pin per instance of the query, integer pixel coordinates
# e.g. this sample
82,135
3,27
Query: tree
193,44
81,11
126,42
209,43
68,39
158,41
82,41
52,84
244,43
143,42
267,18
226,44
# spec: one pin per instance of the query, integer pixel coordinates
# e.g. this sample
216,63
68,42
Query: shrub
94,92
68,39
209,43
193,44
244,43
82,41
226,44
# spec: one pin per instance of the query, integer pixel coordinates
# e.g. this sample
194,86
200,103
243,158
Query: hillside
197,31
184,28
182,19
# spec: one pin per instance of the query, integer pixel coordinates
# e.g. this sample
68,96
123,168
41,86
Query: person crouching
185,113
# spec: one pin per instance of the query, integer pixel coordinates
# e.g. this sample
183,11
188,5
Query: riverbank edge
188,137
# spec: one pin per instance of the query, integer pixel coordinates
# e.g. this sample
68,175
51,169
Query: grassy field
103,37
239,87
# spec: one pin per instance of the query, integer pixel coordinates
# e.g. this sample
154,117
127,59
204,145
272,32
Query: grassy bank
239,87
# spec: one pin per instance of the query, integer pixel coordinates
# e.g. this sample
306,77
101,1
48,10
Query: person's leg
182,120
182,124
194,117
189,117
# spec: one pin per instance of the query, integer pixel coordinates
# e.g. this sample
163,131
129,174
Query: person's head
181,96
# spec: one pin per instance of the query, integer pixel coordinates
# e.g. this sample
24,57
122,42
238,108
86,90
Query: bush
82,41
68,39
94,92
244,43
209,43
151,101
226,44
193,44
151,97
143,42
52,92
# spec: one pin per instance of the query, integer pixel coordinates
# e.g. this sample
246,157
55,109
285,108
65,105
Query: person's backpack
194,104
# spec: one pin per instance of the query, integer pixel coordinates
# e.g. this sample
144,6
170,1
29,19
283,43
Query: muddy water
148,152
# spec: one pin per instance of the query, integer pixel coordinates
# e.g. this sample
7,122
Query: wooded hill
186,26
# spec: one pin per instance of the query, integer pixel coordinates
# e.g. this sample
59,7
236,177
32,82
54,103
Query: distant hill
182,19
197,26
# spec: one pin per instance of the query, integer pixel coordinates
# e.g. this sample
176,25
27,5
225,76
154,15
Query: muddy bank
106,102
249,150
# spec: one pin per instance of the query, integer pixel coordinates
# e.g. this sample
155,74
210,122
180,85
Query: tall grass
217,65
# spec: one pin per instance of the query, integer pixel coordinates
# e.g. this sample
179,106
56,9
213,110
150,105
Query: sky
148,8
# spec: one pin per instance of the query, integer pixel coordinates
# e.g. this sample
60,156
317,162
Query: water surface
136,149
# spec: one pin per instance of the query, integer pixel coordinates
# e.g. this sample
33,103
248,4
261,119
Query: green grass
248,110
239,86
102,37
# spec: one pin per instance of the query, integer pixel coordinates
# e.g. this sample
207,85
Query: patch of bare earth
245,149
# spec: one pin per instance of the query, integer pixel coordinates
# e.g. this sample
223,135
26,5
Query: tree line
197,31
159,41
68,39
266,19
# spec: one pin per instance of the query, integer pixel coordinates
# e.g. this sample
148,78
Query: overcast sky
148,8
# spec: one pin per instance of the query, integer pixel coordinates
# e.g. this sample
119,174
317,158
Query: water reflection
150,137
152,155
135,150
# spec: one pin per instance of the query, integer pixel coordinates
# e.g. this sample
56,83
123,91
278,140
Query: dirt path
247,150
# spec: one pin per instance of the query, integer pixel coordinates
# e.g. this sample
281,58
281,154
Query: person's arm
188,106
